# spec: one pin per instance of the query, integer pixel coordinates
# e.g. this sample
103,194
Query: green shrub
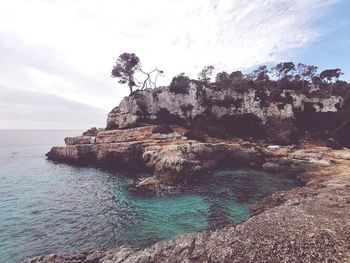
180,84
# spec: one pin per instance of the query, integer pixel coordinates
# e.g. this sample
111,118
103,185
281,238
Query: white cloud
22,109
67,47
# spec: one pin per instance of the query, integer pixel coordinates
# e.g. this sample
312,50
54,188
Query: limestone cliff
202,119
274,110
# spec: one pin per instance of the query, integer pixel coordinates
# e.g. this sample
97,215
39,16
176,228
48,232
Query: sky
56,56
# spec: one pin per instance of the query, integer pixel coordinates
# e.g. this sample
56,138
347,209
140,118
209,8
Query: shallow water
51,208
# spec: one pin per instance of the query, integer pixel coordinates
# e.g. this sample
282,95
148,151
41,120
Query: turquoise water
50,208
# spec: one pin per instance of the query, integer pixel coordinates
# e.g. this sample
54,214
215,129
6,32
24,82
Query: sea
48,207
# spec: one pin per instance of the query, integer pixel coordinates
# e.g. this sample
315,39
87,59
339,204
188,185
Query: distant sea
47,207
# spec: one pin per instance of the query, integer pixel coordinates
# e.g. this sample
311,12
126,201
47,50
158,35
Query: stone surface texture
272,106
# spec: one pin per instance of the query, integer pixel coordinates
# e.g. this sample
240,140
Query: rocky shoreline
177,136
171,157
305,224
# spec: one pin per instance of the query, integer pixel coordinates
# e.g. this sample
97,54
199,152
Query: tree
329,74
126,65
310,73
206,73
125,68
300,71
236,75
148,81
284,70
261,73
222,77
305,72
225,78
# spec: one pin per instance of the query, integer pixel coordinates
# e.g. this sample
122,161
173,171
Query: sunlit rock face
256,110
152,104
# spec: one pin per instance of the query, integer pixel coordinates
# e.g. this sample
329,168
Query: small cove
54,208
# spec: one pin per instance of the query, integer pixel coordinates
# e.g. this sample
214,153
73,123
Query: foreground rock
307,224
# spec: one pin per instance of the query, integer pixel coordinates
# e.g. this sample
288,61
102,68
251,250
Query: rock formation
165,151
277,111
177,135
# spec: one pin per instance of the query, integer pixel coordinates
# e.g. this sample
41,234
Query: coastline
320,210
179,135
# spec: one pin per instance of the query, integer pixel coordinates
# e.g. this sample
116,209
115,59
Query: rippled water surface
49,208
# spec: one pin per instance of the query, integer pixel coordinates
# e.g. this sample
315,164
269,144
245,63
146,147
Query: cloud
38,67
23,109
67,47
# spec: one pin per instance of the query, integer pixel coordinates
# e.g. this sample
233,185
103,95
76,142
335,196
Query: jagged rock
170,157
79,140
92,131
190,159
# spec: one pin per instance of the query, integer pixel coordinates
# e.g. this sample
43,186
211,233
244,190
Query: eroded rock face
274,108
165,151
92,131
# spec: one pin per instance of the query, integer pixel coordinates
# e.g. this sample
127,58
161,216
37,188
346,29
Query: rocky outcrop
79,140
93,131
270,110
164,151
306,224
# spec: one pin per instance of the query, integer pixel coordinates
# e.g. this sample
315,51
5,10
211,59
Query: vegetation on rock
127,65
180,84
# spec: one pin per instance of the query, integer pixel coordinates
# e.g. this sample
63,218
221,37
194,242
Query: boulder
270,167
92,131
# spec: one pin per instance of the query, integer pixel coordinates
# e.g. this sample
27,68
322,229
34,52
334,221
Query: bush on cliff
205,74
180,84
